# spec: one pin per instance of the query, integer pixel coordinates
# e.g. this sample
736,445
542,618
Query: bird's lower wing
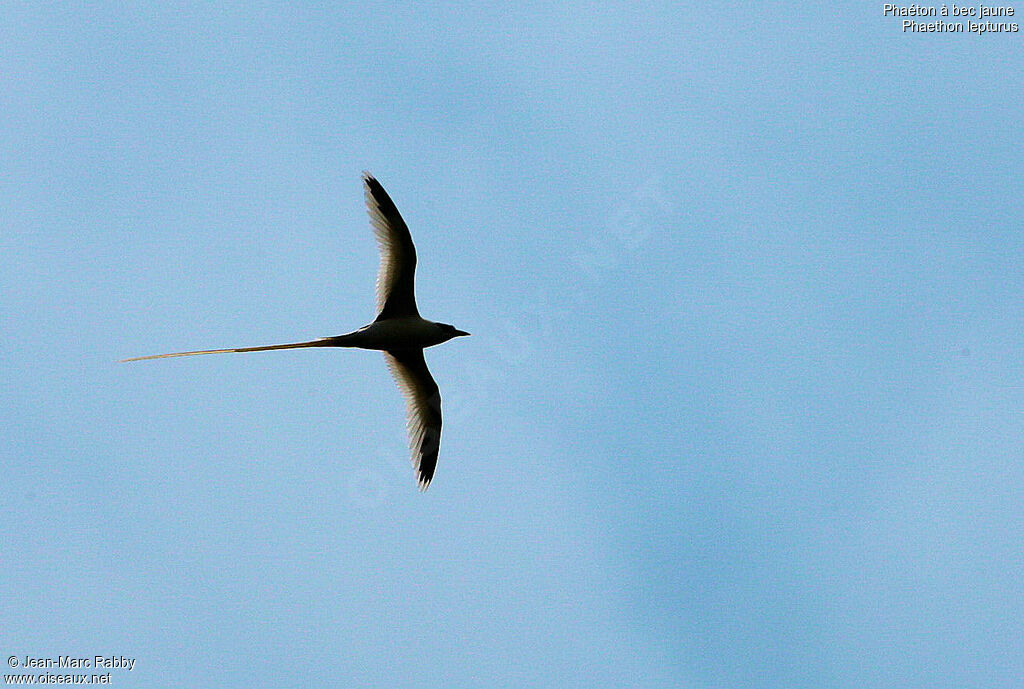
322,342
423,404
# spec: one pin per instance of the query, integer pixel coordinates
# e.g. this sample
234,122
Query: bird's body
399,331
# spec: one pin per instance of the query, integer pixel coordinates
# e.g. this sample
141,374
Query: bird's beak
460,332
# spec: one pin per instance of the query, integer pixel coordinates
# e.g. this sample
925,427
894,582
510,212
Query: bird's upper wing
423,404
396,294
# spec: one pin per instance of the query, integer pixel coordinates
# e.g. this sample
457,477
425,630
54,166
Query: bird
398,330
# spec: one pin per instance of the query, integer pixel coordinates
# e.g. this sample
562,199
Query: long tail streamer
322,342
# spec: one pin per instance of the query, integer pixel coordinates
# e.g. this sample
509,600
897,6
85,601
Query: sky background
743,403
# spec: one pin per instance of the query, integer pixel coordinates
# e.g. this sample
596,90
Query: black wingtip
374,188
424,477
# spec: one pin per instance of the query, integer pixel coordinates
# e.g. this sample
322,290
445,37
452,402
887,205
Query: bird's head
451,331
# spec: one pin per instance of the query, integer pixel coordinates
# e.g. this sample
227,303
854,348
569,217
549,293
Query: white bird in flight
398,331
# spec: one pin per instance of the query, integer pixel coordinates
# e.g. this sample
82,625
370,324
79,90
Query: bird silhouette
399,331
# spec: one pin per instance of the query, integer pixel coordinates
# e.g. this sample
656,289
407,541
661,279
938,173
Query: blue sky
744,397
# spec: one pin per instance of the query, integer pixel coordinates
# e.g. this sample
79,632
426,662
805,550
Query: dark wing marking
423,406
